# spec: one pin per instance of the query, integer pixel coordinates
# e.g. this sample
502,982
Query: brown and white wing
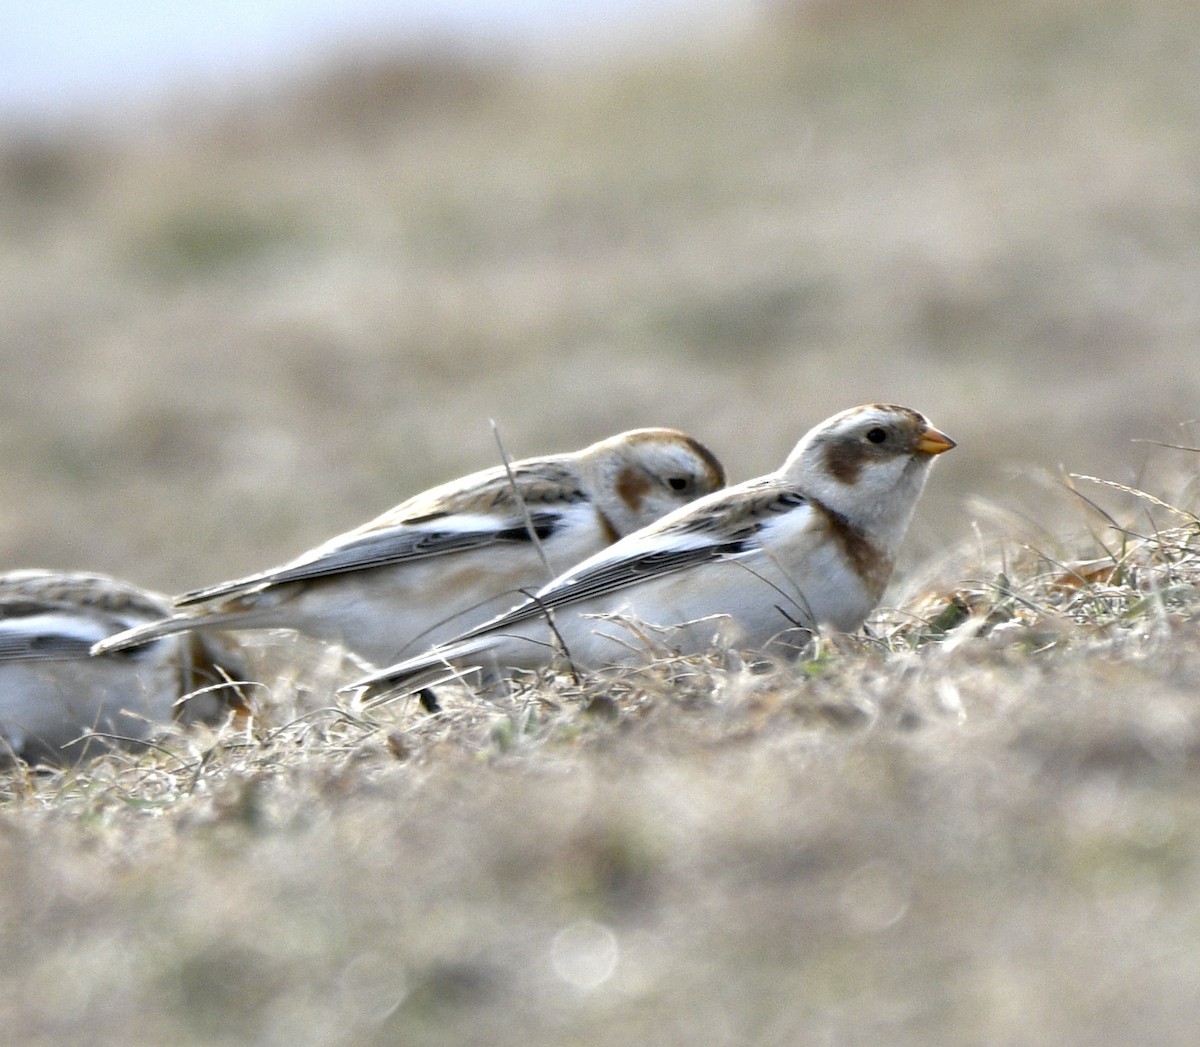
540,499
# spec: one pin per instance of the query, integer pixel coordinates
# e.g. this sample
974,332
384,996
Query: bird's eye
877,435
678,483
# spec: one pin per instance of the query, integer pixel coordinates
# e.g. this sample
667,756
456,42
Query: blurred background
271,267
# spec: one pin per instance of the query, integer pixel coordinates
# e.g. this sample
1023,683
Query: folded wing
383,546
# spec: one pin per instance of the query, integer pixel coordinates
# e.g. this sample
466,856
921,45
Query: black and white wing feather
726,524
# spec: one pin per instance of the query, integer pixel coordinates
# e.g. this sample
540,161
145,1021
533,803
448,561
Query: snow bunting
758,565
457,554
53,693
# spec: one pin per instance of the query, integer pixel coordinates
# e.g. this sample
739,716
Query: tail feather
237,587
434,666
144,634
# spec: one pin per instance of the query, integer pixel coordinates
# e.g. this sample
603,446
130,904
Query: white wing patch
52,636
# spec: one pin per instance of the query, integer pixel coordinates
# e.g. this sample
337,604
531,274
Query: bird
59,705
455,555
760,565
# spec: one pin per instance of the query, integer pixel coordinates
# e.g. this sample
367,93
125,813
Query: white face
869,464
653,472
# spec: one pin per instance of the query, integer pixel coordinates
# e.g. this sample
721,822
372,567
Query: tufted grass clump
988,791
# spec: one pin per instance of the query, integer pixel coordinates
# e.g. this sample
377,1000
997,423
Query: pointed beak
934,442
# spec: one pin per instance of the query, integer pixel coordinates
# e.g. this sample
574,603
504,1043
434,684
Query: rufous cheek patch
844,462
632,487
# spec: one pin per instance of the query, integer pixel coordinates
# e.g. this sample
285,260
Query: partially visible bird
455,555
760,565
57,703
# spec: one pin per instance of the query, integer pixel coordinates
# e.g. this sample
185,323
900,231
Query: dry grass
973,826
239,325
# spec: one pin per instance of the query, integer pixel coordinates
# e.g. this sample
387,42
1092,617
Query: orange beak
934,442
